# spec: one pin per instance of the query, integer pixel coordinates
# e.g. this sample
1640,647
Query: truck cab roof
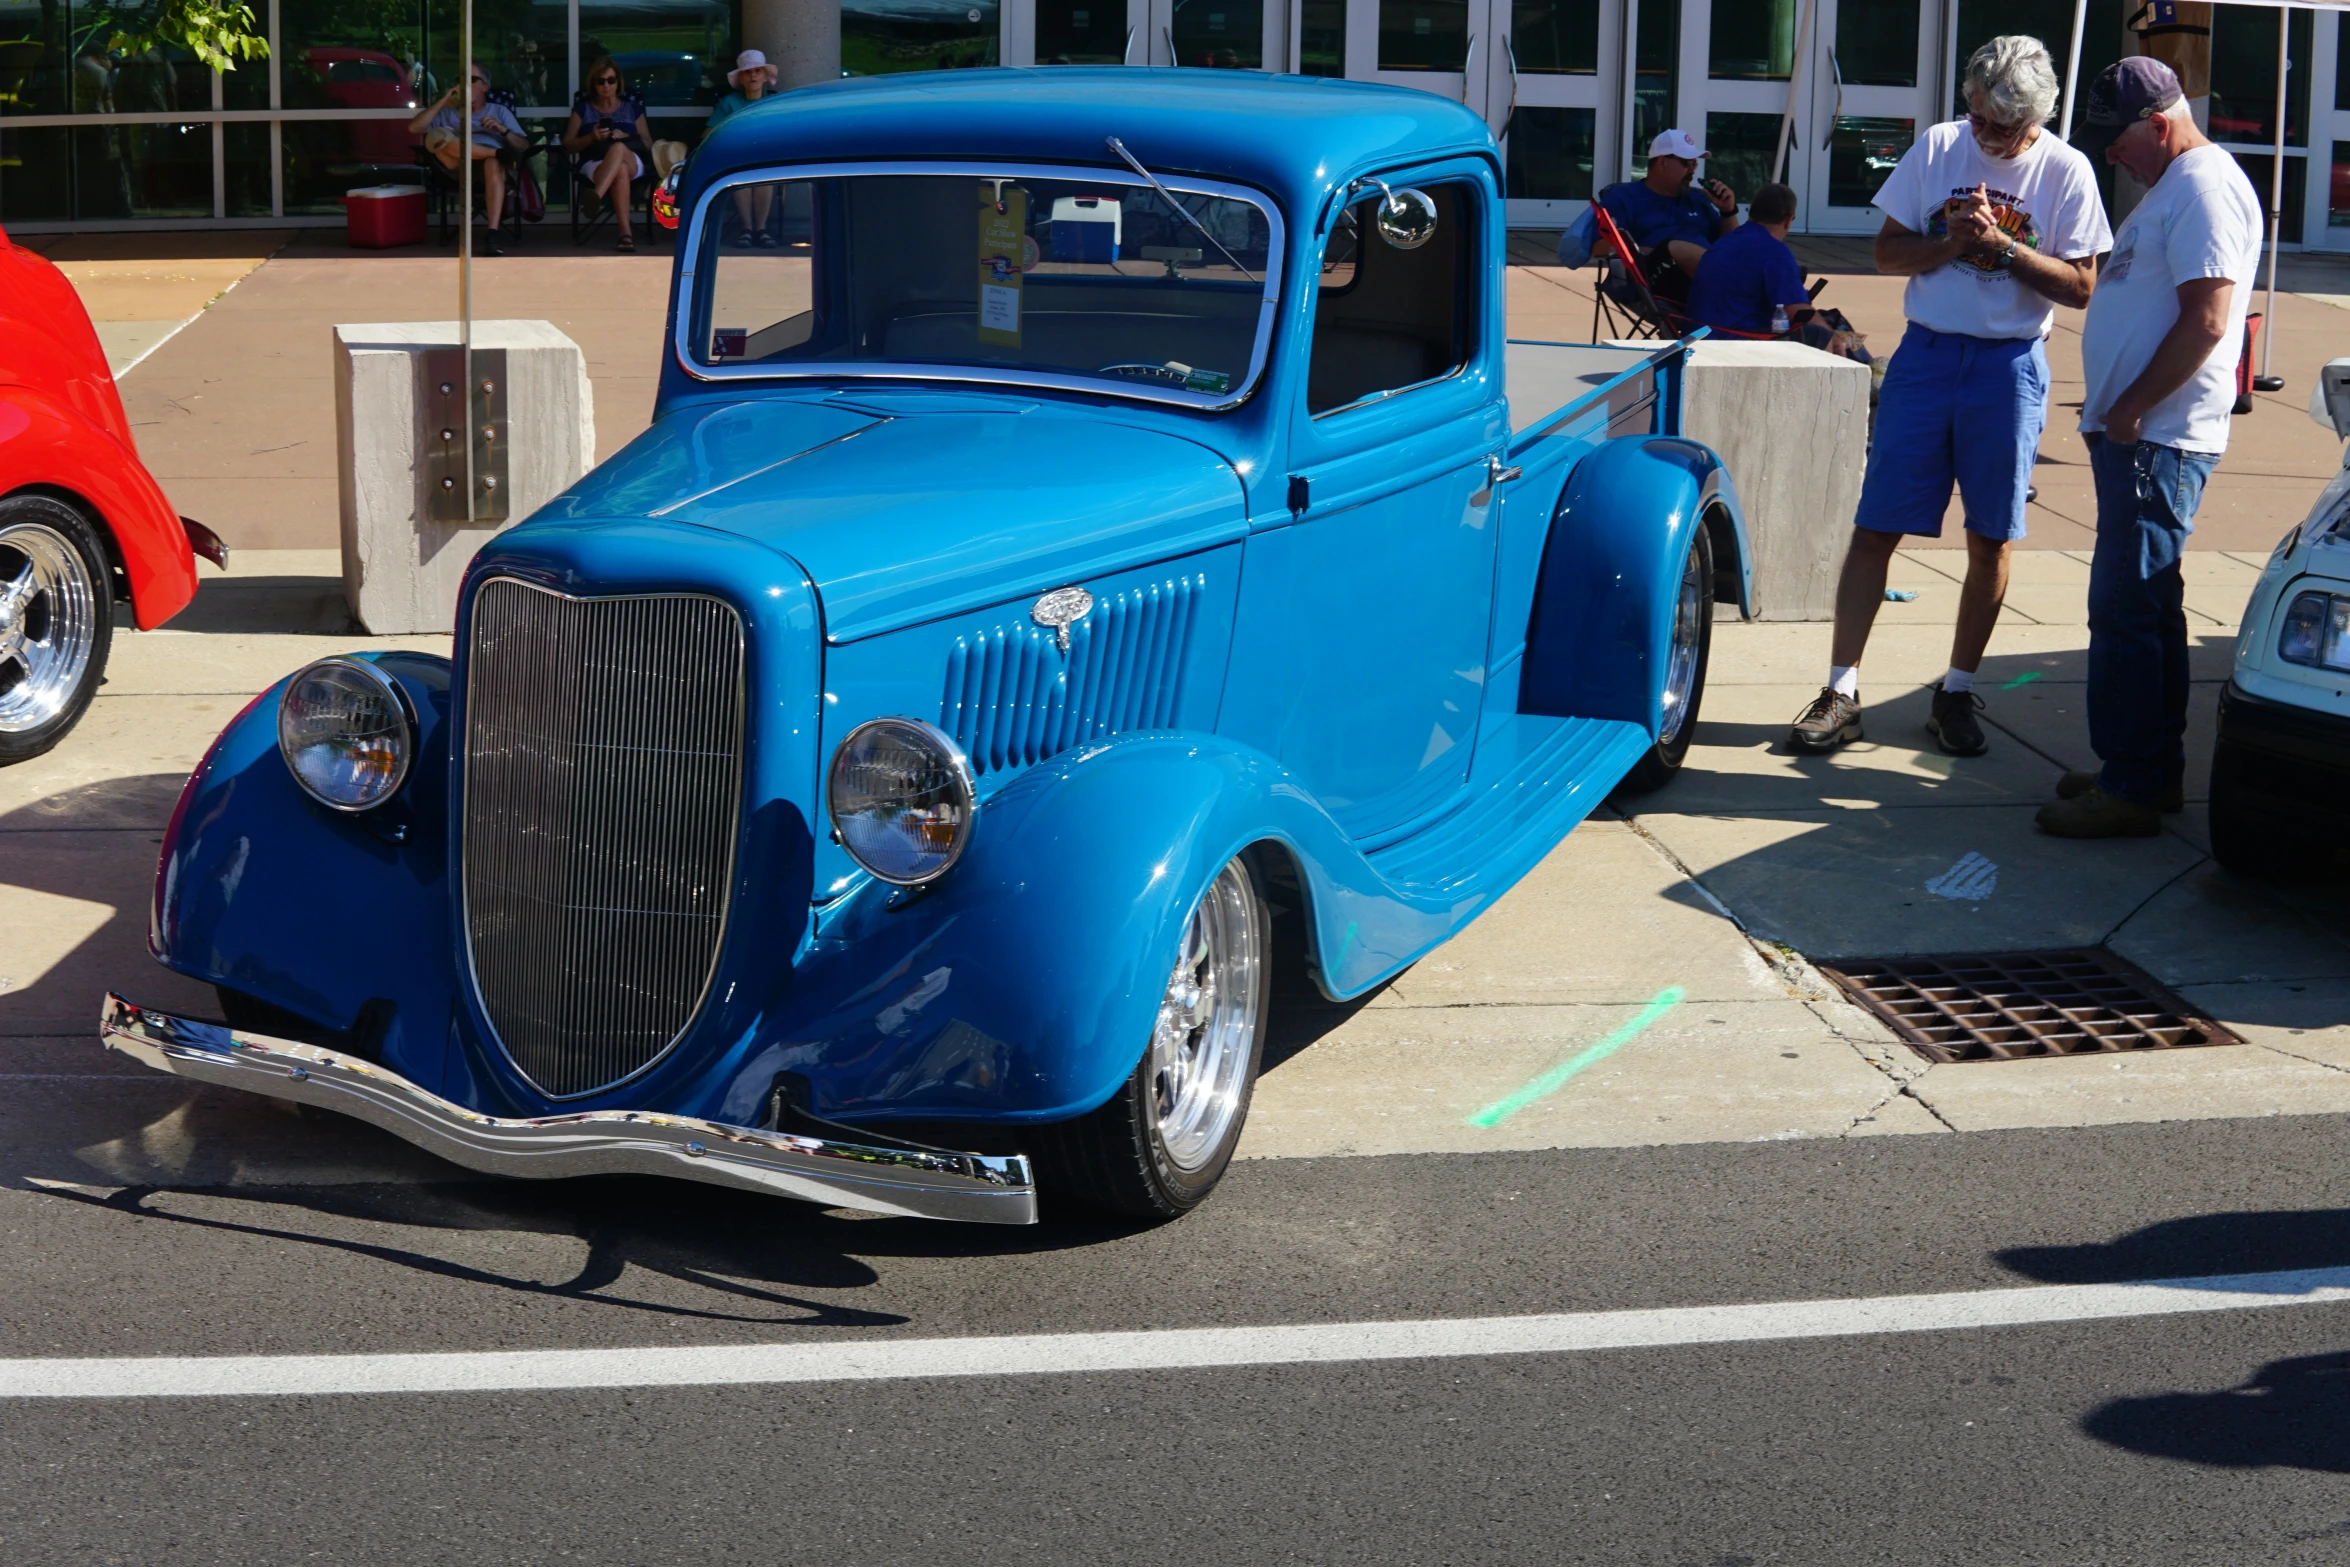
1289,136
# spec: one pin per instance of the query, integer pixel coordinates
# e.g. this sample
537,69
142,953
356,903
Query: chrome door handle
1509,53
1496,472
1468,59
1126,55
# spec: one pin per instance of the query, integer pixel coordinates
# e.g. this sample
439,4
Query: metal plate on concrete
442,422
2011,1006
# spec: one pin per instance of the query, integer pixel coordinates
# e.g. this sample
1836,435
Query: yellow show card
1003,247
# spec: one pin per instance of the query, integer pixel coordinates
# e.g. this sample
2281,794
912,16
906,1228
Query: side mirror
2329,398
1407,219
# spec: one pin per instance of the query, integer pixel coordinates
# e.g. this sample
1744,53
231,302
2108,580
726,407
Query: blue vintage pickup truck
1096,550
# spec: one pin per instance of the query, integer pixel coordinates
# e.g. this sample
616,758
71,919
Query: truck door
1360,651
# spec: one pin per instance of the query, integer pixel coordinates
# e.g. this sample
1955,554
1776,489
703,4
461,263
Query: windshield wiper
1119,147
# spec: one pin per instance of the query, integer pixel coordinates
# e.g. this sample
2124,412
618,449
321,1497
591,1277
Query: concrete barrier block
1792,423
401,568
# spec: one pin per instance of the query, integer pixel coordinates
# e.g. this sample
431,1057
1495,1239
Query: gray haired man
1993,221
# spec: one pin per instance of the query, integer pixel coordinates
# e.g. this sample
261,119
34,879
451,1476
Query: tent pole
2072,69
2276,203
1796,74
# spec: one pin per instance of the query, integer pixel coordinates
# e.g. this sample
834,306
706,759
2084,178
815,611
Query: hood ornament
1058,610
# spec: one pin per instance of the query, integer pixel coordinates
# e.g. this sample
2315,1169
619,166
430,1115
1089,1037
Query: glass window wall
1423,35
1555,37
1223,34
1550,153
1739,150
882,37
2244,76
1321,38
1752,40
1080,32
1656,78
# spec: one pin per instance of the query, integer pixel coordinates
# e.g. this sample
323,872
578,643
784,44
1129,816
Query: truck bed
1550,383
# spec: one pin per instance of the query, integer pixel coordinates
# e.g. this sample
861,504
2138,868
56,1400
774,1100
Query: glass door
1858,100
1541,84
1863,108
1237,35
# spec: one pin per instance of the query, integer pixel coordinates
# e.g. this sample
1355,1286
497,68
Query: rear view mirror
2329,398
1407,219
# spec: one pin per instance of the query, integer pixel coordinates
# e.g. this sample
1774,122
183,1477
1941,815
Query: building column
801,37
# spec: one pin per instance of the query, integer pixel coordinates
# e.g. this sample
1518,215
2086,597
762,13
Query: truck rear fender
1602,622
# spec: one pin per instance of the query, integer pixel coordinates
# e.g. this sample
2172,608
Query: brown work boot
2075,784
1830,721
1953,722
2095,814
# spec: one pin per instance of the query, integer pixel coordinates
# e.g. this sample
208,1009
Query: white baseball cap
1675,144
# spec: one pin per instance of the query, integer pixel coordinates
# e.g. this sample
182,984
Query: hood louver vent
1014,698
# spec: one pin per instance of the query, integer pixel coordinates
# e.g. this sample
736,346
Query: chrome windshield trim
909,1182
690,250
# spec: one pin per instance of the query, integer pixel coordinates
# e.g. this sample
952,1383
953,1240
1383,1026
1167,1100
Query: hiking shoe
2075,784
1953,722
1833,719
2095,814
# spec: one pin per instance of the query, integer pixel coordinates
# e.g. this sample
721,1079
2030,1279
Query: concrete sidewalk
1704,901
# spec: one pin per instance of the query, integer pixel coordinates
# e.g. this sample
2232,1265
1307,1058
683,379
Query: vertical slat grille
603,765
1014,698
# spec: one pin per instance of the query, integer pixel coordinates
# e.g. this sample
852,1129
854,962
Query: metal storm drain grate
2007,1006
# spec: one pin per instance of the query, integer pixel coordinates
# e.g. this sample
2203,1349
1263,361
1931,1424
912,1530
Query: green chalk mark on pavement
2024,679
1559,1076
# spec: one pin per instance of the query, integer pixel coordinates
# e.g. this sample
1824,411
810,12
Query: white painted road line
1176,1349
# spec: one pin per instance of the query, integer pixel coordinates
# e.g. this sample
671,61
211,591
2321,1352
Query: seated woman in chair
752,78
609,142
495,130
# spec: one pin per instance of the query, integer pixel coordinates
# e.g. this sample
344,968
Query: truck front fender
1601,632
1022,986
263,890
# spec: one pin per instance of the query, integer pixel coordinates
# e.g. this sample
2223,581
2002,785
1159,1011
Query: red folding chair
1625,300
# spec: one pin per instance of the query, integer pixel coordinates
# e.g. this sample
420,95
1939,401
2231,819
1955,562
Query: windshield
1091,281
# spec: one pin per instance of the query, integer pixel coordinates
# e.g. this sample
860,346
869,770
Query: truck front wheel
1692,642
1162,1142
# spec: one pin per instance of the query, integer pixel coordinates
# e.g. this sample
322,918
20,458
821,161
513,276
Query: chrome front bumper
915,1183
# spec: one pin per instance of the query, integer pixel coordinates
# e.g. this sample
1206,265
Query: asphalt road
2221,1437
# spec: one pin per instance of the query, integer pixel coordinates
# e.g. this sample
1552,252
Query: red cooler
380,216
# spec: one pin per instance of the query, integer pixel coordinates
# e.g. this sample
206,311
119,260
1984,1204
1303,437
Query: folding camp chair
1627,302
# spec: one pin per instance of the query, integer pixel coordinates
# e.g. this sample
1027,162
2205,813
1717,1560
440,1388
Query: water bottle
1778,320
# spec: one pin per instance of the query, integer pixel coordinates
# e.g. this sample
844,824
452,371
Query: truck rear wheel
1692,644
1163,1141
56,622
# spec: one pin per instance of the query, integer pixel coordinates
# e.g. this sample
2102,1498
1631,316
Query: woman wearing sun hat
752,79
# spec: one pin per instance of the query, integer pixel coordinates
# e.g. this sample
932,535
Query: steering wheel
1140,372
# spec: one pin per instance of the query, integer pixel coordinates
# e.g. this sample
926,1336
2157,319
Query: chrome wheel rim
1205,1037
1688,630
49,611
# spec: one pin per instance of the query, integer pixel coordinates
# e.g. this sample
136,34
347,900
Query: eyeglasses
1997,131
605,81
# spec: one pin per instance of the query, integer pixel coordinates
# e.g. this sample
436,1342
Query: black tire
1120,1158
53,646
1664,759
2246,840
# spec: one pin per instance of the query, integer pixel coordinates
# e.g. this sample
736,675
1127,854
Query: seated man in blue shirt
1668,211
1751,272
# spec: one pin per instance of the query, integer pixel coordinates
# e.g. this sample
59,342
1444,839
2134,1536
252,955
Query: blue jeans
1955,410
2146,501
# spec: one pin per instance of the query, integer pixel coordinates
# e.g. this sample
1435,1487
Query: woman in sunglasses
608,142
494,130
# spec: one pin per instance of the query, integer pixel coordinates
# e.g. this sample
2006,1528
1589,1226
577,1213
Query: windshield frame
690,303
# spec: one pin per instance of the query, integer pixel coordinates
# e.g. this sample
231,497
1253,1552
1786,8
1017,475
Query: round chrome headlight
901,801
344,728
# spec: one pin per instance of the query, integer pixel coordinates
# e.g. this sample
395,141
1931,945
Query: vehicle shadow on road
2291,1414
662,1248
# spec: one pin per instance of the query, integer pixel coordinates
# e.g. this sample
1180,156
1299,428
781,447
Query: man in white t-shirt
2159,349
1994,221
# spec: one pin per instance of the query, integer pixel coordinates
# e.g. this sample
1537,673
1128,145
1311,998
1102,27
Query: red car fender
47,445
62,428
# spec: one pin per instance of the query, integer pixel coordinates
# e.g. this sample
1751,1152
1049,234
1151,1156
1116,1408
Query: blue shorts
1955,409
